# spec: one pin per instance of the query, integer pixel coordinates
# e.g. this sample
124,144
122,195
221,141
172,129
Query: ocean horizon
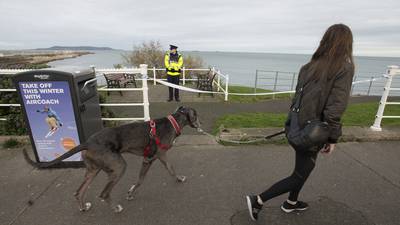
242,66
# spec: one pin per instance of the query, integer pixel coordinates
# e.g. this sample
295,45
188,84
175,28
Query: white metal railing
391,72
219,76
141,70
221,81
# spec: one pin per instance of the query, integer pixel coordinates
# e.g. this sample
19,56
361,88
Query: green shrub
15,124
11,143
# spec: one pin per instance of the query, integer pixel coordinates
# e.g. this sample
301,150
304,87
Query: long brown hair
335,50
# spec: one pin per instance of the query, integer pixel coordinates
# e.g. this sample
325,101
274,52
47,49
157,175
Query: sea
242,68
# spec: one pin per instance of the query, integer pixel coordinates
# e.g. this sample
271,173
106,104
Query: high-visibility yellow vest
173,64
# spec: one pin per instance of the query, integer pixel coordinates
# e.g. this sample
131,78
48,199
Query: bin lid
74,70
77,73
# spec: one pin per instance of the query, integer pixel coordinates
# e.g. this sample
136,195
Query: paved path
359,184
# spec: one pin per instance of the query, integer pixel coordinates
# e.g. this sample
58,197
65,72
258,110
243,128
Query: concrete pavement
357,184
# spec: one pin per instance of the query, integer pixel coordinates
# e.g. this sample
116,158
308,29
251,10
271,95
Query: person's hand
328,148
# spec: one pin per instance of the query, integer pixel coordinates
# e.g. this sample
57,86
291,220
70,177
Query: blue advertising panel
51,118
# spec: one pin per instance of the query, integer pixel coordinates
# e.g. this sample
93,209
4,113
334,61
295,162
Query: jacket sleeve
180,62
166,61
337,102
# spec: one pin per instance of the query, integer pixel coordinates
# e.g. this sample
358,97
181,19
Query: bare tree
152,54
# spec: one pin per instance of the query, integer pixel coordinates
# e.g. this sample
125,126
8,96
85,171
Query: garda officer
173,64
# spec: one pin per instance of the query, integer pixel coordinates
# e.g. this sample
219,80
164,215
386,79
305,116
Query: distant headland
76,48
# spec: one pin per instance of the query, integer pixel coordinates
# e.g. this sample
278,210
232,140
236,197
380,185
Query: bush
15,124
152,54
11,143
106,112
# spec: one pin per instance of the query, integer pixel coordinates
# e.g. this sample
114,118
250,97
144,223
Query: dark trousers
303,167
173,80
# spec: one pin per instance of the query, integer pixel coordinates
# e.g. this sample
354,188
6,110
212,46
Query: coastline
36,60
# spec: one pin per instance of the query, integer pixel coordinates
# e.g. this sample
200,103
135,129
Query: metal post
183,76
255,82
143,71
218,78
378,118
154,76
226,87
276,79
352,86
370,84
292,86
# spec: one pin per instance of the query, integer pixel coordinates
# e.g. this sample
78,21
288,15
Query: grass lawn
252,98
361,114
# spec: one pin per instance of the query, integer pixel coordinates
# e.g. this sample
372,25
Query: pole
370,84
276,79
218,78
255,82
183,76
154,75
292,86
226,87
352,86
143,71
378,118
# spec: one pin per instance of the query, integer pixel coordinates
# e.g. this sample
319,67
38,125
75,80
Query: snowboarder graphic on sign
52,119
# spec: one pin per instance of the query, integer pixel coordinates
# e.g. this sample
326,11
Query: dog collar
174,124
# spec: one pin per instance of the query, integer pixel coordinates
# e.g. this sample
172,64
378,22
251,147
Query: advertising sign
51,117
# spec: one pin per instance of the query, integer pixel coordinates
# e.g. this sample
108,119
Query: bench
205,81
119,80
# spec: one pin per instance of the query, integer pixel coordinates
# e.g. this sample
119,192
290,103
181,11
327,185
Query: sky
284,26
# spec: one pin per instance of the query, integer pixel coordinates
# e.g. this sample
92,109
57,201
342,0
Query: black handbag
312,136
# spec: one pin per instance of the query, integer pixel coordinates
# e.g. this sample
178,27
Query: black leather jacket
326,100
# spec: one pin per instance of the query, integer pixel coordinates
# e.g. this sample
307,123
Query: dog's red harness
153,134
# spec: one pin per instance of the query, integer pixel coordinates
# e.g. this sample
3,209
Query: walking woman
322,94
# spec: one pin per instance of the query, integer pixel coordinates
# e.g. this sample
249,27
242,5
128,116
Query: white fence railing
143,71
222,86
145,104
391,73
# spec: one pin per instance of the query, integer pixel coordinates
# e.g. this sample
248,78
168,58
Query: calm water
242,67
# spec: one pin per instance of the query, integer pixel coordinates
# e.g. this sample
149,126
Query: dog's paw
86,207
181,179
118,208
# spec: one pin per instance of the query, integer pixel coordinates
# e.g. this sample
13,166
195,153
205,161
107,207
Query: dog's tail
68,154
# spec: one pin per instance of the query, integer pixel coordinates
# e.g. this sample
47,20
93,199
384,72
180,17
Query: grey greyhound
102,151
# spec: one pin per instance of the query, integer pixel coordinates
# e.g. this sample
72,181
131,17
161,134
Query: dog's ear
192,114
180,108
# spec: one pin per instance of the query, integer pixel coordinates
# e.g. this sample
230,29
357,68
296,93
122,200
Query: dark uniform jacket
325,99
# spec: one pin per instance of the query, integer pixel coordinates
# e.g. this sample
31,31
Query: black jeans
173,80
304,165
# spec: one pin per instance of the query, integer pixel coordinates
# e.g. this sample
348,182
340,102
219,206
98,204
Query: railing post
183,76
352,86
255,82
218,78
292,86
378,118
276,79
146,112
370,84
226,87
154,75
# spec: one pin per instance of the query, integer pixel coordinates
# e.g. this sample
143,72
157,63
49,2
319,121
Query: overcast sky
285,26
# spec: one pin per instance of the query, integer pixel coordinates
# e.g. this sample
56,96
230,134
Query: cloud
226,25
